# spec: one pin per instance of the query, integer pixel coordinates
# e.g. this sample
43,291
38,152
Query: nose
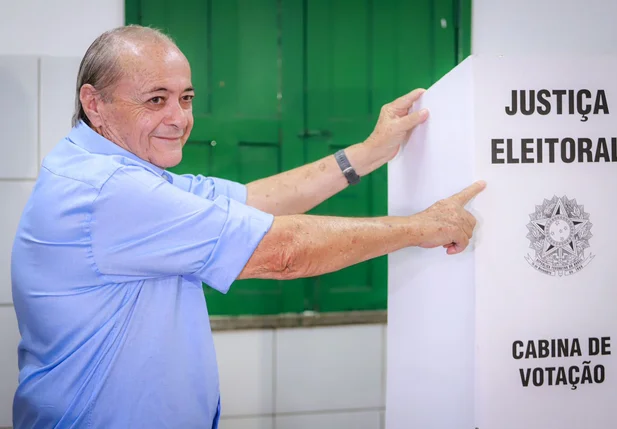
177,116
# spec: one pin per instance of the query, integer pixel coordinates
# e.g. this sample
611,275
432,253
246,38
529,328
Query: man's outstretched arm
300,246
299,190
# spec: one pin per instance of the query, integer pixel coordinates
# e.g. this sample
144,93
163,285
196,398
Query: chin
169,159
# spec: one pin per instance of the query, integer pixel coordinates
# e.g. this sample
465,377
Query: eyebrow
190,88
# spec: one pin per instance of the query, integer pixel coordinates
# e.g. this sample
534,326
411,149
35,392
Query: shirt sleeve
144,227
210,187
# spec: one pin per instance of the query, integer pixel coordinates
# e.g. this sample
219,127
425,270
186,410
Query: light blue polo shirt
107,271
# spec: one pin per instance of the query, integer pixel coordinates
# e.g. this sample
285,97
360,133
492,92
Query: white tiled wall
55,27
15,194
246,368
345,420
9,339
335,368
58,78
326,377
19,80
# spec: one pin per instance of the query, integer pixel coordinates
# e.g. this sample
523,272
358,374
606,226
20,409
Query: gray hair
100,65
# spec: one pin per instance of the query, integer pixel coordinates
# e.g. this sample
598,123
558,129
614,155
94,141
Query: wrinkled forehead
147,65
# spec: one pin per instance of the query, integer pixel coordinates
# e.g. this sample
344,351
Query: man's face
150,112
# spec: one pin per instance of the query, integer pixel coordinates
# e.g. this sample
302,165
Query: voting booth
520,330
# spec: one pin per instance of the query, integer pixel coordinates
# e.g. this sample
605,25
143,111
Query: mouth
169,138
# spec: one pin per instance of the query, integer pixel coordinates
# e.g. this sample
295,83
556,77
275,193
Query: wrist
364,158
413,231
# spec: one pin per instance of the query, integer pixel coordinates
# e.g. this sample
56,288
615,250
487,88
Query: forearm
299,190
305,246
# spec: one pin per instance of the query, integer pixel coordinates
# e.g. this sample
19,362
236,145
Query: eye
188,98
156,100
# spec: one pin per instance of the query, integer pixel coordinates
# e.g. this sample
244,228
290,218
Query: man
111,250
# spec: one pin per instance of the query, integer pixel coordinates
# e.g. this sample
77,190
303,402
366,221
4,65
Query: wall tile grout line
274,376
306,413
384,376
38,115
384,363
16,179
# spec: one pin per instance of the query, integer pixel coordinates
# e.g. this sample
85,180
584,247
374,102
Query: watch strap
348,171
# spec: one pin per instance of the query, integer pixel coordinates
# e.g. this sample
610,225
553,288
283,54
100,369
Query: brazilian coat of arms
559,233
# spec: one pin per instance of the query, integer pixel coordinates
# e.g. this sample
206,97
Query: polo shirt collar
85,137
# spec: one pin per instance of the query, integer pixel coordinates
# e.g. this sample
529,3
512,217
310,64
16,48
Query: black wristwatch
349,172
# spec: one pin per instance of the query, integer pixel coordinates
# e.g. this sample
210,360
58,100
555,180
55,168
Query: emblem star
559,231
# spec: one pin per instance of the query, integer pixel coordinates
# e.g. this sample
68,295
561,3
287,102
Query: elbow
289,261
282,254
292,259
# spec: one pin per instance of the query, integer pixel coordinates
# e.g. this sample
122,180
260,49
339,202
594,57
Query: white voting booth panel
519,330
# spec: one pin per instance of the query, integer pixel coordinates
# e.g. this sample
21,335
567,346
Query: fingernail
423,113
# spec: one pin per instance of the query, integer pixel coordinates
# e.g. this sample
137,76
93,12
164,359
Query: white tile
9,339
384,357
58,82
352,420
245,360
247,423
14,196
19,82
332,368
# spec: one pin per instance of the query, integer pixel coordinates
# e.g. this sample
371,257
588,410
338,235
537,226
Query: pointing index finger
469,192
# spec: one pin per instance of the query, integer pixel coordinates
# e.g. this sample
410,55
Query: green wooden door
358,59
280,83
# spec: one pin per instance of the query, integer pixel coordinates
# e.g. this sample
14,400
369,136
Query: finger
468,223
411,120
459,245
471,219
464,196
407,100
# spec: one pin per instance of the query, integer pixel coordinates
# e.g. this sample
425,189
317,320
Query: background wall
300,378
58,27
544,26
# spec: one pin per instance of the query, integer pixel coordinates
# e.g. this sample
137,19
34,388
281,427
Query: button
167,177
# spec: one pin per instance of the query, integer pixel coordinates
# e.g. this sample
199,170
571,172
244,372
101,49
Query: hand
446,223
395,124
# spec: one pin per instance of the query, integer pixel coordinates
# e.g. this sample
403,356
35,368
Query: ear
91,102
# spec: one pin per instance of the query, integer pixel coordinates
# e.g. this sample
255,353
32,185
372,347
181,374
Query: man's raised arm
299,190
